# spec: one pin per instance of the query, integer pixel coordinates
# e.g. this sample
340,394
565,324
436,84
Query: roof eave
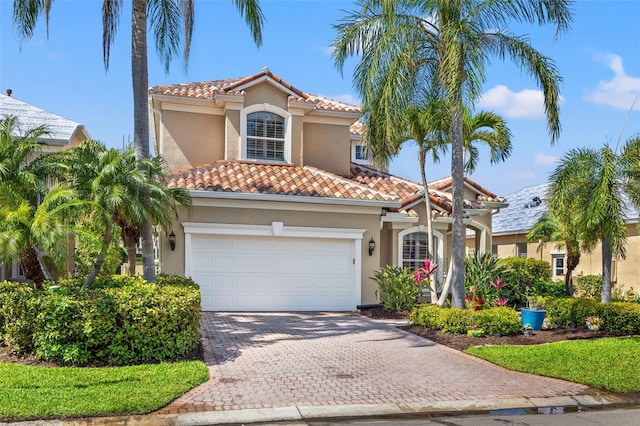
199,193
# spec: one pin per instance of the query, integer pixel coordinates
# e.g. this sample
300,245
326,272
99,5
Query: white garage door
250,273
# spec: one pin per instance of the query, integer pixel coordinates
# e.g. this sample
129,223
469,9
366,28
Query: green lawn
610,363
39,392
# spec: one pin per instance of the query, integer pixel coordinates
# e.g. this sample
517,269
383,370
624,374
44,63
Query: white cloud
544,160
522,175
526,103
328,50
619,92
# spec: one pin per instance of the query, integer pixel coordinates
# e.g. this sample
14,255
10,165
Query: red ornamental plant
424,272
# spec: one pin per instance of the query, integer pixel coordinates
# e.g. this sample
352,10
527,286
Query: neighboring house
288,213
512,224
63,133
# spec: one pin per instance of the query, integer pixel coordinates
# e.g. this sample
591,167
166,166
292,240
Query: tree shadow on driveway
225,335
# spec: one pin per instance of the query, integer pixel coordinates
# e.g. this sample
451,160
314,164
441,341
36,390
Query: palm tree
587,193
21,188
428,127
110,182
409,46
166,18
549,229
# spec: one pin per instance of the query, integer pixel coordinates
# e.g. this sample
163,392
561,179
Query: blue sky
599,60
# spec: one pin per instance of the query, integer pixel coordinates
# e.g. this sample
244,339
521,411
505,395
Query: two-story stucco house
63,134
288,213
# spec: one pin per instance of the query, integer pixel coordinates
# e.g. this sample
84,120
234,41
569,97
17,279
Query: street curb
345,412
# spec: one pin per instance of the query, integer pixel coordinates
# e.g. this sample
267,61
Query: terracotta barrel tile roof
269,178
233,86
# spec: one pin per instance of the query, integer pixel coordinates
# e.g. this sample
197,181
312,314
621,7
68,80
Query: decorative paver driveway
263,360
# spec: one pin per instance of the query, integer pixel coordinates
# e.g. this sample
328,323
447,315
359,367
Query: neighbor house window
265,136
558,265
522,249
494,249
265,133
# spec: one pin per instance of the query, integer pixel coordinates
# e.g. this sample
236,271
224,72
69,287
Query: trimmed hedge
501,320
124,321
618,317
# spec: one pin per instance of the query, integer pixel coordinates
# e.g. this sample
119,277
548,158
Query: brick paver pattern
264,360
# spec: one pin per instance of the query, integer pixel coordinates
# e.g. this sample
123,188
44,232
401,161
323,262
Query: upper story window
265,133
265,136
360,154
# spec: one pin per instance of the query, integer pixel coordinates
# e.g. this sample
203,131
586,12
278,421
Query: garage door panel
238,273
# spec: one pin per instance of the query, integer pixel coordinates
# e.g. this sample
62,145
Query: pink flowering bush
483,282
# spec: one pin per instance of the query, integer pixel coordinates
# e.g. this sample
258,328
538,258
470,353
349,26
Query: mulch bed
196,354
462,341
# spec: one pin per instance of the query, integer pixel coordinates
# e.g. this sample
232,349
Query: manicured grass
39,392
609,363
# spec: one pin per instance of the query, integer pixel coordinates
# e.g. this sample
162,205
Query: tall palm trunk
140,79
432,283
573,259
457,176
607,257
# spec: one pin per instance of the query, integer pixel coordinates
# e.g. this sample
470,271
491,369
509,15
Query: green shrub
398,289
548,288
589,287
621,317
176,281
60,330
501,320
426,316
456,321
521,274
567,310
126,321
19,304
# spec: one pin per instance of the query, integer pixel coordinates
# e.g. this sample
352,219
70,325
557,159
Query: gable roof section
61,130
445,184
408,191
274,179
235,86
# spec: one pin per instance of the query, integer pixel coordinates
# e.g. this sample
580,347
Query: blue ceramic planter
533,317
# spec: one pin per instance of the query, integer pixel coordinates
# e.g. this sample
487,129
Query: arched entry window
414,247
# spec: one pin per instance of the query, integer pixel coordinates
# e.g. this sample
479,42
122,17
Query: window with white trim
415,249
265,133
265,136
360,154
558,265
521,249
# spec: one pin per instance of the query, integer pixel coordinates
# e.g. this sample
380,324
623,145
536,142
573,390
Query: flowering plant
424,272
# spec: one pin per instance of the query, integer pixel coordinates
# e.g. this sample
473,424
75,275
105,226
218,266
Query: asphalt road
618,417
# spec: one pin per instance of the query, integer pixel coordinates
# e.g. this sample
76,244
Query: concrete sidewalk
297,367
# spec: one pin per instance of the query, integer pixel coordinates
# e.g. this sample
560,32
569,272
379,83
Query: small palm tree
109,181
587,194
22,188
548,229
